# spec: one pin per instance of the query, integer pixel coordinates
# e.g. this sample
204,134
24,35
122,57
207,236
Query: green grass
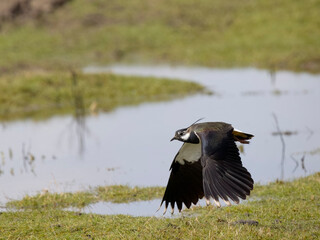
115,194
267,34
45,94
283,210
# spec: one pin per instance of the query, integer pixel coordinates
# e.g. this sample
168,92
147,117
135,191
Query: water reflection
28,160
283,155
141,208
130,145
297,163
79,112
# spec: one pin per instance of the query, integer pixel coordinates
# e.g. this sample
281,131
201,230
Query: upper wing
223,174
185,181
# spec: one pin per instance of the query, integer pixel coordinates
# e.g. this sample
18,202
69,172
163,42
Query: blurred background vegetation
50,39
41,95
45,44
59,34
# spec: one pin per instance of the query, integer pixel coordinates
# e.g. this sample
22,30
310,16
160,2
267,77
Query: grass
115,194
283,210
45,94
267,34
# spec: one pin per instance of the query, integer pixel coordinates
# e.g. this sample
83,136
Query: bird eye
180,133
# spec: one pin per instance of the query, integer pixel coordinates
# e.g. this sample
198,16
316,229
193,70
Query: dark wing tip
224,176
228,184
184,185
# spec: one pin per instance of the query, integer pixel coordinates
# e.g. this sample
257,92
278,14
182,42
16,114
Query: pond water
130,145
140,208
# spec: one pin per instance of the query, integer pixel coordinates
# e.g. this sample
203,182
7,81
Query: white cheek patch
189,152
186,136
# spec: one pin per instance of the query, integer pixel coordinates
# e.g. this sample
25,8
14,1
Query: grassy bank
268,34
45,94
115,194
280,210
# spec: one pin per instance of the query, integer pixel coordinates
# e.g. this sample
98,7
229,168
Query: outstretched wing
185,181
223,174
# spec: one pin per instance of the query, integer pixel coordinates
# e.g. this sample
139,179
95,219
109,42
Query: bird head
182,135
187,134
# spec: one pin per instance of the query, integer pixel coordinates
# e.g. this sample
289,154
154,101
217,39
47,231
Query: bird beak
174,138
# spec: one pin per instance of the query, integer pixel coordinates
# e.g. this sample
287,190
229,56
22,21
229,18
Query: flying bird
208,165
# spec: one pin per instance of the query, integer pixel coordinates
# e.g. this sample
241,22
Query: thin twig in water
297,164
310,133
283,145
79,114
302,164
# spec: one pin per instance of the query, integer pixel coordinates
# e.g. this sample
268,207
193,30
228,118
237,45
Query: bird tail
241,136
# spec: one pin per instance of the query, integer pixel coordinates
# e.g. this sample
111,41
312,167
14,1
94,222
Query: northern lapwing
208,165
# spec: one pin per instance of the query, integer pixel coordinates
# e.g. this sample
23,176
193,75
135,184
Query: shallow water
131,144
140,208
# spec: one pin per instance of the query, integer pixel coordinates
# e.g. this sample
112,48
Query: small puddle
136,209
140,208
131,146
